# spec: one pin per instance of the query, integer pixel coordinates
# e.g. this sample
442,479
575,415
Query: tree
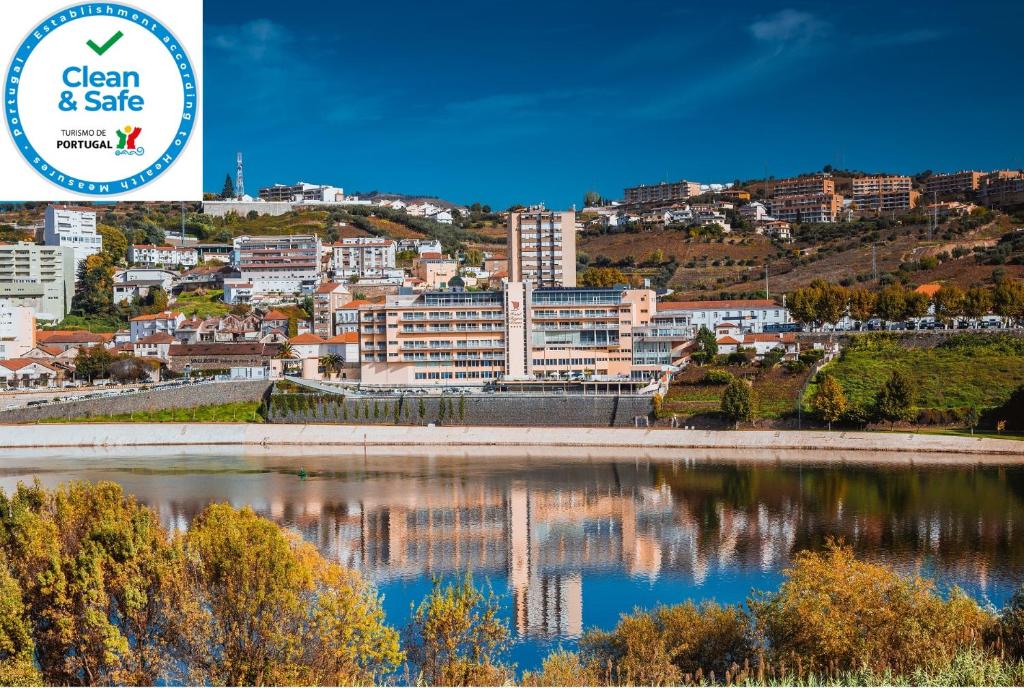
591,199
977,302
892,303
862,304
16,645
738,401
293,326
93,362
115,244
331,363
803,305
895,400
156,300
916,304
272,610
228,191
949,303
456,636
128,369
96,572
94,288
832,302
602,277
829,400
1008,300
707,344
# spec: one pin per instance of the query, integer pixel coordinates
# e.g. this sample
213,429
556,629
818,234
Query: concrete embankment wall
822,446
188,396
496,410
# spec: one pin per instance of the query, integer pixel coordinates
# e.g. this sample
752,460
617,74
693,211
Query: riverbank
459,438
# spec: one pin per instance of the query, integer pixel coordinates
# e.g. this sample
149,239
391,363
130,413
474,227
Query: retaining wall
479,410
189,396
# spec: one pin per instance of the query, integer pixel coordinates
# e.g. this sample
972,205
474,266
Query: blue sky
540,101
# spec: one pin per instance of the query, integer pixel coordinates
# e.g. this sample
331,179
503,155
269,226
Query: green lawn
775,391
235,412
976,371
208,305
91,323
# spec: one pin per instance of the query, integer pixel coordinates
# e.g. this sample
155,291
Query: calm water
570,543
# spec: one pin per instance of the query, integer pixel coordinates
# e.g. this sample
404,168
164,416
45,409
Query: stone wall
482,410
188,396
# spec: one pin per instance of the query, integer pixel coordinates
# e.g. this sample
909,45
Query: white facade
146,325
274,265
17,330
363,257
147,254
73,228
748,315
40,277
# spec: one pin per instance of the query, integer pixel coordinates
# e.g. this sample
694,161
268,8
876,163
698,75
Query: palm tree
331,363
285,351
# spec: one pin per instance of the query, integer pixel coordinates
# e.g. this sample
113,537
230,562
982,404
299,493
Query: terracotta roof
353,305
431,255
786,337
928,289
728,340
157,338
71,337
327,287
723,305
52,350
276,315
166,315
725,324
306,338
344,338
225,349
19,363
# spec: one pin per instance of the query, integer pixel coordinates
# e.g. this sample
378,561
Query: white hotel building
749,315
363,257
168,256
74,228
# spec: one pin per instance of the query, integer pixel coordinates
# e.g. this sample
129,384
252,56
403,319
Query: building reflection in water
546,526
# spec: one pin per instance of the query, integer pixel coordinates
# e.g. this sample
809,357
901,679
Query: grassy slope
981,375
235,412
776,391
205,305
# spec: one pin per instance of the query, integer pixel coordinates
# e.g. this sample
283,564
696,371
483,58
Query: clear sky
522,102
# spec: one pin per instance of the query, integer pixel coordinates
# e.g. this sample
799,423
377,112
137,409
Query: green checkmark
100,49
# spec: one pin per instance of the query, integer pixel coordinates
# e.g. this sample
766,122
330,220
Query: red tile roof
721,305
19,363
928,289
157,338
276,315
71,337
166,315
344,338
306,338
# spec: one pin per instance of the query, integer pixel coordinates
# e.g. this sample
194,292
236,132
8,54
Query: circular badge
101,98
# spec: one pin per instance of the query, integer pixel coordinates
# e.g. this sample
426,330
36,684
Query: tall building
273,266
542,247
811,198
665,192
74,228
363,257
39,277
884,194
328,299
964,183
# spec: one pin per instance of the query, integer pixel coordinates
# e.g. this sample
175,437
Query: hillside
962,251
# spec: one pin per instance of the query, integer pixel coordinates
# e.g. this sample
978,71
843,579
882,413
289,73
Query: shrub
835,613
716,377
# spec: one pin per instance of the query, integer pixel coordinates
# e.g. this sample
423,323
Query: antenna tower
239,179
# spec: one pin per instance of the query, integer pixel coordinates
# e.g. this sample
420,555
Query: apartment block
884,194
467,338
964,183
39,277
542,247
74,228
17,330
167,255
328,299
363,257
811,198
273,266
665,192
1001,189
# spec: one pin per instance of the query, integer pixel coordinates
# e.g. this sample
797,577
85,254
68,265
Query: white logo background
139,50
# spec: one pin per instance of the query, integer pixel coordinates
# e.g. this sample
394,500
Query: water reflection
577,541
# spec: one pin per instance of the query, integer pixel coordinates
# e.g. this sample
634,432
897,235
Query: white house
761,343
144,325
750,315
28,372
156,345
149,254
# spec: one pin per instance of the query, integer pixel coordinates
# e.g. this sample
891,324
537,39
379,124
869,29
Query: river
571,543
